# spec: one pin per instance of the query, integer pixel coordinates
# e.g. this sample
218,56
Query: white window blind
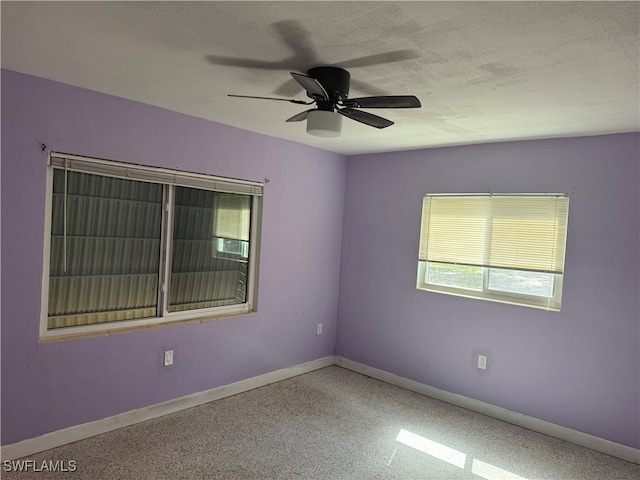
233,214
521,232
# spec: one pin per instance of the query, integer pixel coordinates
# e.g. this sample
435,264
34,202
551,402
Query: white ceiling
483,71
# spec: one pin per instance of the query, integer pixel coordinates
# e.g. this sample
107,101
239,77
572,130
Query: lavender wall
46,387
579,368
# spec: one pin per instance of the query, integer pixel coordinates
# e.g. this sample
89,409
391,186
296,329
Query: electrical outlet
482,362
319,329
168,358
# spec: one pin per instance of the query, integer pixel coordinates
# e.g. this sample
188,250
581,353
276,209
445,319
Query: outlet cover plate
482,362
168,358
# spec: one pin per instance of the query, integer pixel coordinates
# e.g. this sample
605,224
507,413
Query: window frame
163,317
552,303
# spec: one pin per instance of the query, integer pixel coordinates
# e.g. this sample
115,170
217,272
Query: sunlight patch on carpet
453,457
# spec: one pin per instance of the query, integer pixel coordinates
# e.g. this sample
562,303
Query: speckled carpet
328,424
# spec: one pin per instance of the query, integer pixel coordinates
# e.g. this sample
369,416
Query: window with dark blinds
134,244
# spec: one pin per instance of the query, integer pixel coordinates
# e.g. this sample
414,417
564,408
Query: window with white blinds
129,245
508,248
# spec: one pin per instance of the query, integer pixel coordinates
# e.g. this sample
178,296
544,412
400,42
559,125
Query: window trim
550,304
167,178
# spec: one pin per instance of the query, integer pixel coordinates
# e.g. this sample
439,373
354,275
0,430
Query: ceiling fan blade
311,85
298,40
380,58
389,101
300,116
248,62
365,88
290,88
299,102
365,117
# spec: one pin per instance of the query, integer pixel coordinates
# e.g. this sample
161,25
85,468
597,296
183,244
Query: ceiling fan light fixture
322,123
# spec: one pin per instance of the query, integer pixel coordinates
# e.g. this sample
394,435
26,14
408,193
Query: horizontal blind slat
457,230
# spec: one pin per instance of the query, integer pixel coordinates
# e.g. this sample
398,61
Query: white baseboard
557,431
86,430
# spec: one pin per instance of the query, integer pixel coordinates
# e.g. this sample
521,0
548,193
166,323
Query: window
506,248
130,245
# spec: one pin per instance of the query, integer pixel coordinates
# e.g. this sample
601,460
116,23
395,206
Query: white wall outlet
319,329
482,362
168,358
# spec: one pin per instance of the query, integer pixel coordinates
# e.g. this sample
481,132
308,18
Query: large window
130,245
505,248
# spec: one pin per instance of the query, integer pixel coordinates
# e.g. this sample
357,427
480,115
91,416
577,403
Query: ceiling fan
328,89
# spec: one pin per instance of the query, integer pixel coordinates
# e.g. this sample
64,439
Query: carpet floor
328,424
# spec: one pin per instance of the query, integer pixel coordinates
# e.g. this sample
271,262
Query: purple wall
46,387
579,368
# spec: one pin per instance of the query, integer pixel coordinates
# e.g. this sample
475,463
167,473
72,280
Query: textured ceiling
483,71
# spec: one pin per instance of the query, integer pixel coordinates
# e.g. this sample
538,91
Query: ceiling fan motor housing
335,82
